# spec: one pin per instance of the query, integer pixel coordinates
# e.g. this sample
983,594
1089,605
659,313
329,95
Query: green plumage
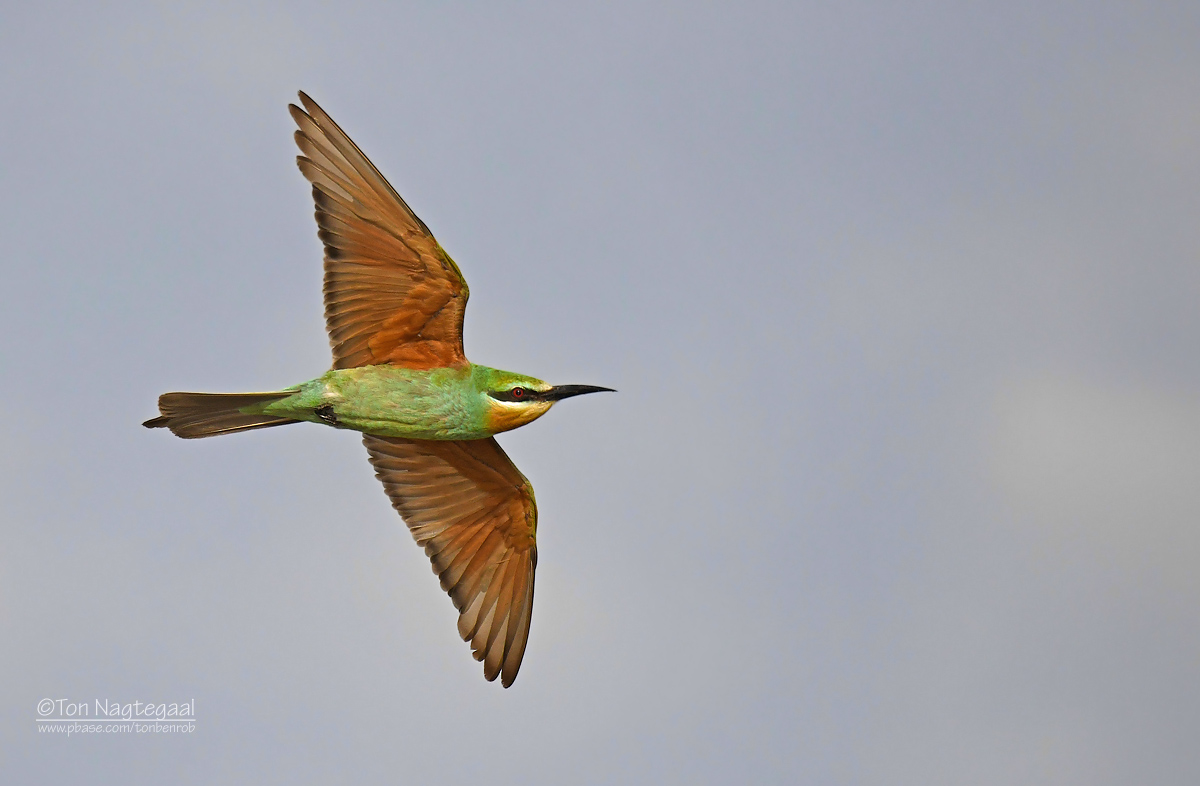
441,403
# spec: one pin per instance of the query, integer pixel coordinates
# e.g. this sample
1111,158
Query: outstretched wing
474,513
392,295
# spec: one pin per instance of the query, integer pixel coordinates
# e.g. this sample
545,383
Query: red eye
518,392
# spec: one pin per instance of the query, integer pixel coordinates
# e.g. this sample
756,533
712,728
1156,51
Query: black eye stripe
514,394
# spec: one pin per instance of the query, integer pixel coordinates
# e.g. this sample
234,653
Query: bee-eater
394,303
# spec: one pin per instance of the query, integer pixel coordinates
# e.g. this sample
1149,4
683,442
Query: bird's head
512,400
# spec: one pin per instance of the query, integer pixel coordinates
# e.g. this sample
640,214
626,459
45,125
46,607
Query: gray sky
902,484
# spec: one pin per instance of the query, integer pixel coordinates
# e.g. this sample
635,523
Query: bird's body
394,303
391,401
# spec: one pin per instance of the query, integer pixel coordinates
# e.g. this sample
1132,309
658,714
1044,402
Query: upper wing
392,295
474,513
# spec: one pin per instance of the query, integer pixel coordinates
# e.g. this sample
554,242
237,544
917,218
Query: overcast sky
902,483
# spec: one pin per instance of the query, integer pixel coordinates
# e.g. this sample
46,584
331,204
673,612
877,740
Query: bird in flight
394,304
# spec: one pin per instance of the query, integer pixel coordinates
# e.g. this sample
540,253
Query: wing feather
392,294
518,635
475,515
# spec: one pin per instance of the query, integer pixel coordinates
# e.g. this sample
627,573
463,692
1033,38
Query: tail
195,415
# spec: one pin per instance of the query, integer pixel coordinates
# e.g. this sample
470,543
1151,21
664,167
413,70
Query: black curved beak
559,392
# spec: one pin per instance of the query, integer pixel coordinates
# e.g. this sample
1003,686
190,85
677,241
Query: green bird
394,304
